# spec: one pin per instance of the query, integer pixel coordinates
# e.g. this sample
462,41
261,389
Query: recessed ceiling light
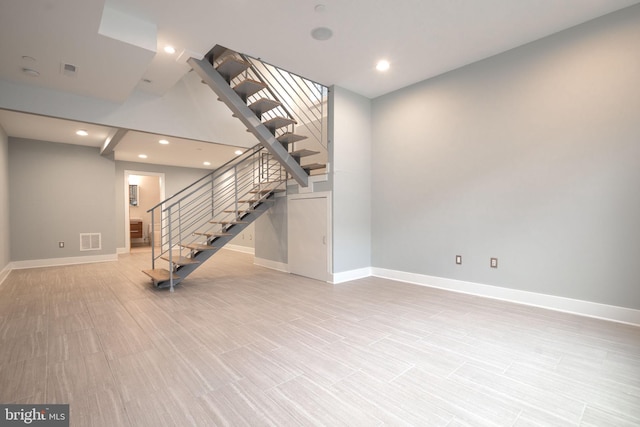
28,58
170,49
31,72
142,156
321,33
238,152
163,142
82,132
207,163
382,65
146,81
320,8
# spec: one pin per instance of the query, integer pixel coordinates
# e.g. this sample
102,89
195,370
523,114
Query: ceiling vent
69,70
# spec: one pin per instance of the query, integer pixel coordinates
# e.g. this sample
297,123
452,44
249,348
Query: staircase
195,223
198,221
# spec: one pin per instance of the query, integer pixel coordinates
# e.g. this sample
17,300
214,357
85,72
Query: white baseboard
238,248
347,276
567,305
54,262
4,273
121,251
274,265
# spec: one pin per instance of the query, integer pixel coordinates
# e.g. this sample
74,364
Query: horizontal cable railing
211,204
302,100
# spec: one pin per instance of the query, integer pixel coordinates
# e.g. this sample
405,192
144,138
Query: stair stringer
219,242
215,81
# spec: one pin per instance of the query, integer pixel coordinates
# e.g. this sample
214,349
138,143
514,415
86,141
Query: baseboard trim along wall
347,276
567,305
4,273
54,262
274,265
243,249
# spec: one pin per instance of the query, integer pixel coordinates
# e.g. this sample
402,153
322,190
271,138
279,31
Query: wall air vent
69,70
90,241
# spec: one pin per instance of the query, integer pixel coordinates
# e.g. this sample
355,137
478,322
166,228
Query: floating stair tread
263,105
303,153
267,190
180,260
240,212
228,222
290,137
231,67
198,247
248,87
216,234
160,274
278,122
313,166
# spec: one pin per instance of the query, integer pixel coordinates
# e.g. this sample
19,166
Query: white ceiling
117,44
179,152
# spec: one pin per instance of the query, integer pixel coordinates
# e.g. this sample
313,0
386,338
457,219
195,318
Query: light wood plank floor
238,345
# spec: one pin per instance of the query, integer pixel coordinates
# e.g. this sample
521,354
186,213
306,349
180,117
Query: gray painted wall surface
176,178
271,233
351,179
58,191
5,255
532,156
247,238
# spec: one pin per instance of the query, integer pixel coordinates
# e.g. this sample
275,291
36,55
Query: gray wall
271,233
58,191
350,149
5,255
176,178
532,156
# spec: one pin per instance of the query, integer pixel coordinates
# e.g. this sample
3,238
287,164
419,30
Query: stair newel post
212,198
153,243
235,189
170,251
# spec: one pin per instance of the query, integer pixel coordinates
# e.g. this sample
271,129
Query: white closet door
307,230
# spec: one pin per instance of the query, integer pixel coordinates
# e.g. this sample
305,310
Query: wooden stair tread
180,260
216,234
303,153
278,122
228,222
313,166
241,211
198,246
290,137
248,87
160,274
263,105
231,67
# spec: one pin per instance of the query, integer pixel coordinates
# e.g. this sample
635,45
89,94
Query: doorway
143,191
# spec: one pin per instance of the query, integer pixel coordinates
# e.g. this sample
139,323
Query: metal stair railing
303,100
220,196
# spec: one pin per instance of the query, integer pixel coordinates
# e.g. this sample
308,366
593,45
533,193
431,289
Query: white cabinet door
307,230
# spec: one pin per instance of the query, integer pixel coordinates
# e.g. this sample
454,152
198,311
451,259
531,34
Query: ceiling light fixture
382,65
82,132
170,49
142,156
163,142
207,163
238,152
31,72
321,33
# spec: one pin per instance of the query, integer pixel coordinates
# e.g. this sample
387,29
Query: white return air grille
90,241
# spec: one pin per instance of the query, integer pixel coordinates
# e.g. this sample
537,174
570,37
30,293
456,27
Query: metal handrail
188,217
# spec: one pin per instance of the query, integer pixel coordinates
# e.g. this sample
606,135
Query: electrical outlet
459,259
494,263
61,245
